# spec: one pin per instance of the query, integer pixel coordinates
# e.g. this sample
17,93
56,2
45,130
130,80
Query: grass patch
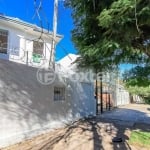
140,138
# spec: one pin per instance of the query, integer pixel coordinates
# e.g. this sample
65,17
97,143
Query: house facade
28,107
25,43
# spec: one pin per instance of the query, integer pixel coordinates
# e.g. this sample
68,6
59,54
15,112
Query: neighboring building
113,92
25,43
123,96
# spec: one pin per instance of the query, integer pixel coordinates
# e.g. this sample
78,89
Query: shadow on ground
133,113
91,134
148,109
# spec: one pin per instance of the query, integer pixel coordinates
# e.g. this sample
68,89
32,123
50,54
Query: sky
25,10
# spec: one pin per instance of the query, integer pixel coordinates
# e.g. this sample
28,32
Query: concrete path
134,113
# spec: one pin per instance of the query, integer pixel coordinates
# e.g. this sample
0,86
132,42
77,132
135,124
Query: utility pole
52,53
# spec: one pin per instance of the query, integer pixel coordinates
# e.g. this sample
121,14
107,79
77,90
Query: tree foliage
109,32
127,22
86,34
137,81
137,76
143,92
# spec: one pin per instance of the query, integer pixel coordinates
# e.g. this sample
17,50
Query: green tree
138,76
87,34
109,32
127,23
137,81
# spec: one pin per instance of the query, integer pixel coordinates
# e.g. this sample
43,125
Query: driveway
133,113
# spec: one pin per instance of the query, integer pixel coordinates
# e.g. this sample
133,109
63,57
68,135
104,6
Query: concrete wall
27,107
137,99
122,97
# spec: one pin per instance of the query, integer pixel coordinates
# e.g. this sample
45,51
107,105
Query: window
37,51
3,41
59,93
38,47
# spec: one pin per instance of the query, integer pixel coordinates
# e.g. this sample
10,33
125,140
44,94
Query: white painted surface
68,61
27,107
122,96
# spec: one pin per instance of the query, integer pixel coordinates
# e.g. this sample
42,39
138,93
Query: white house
25,43
27,107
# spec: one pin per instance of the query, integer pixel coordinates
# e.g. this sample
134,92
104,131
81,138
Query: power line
61,46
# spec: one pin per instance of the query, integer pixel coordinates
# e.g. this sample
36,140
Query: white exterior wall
27,107
122,96
82,95
20,42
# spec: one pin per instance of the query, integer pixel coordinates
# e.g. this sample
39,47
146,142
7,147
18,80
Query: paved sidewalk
132,113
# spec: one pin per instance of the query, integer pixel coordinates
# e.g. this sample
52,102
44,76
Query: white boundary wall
27,107
122,96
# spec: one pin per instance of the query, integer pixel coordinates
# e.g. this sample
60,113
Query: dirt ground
94,133
87,134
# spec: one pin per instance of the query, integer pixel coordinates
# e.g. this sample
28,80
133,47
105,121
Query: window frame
38,52
61,96
5,49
